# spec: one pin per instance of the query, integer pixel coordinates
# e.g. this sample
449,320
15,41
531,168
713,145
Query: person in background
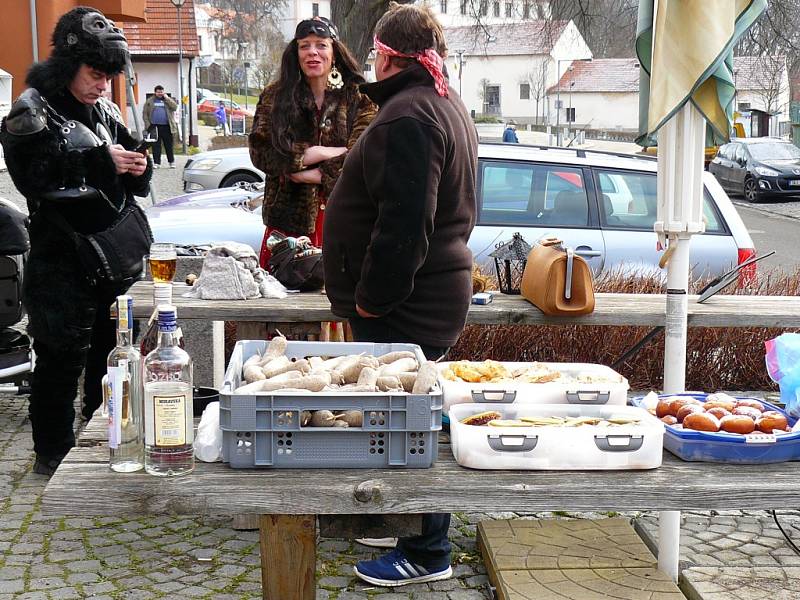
510,134
397,265
76,179
159,113
222,117
304,124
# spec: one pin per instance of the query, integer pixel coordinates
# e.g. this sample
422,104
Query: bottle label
170,419
116,378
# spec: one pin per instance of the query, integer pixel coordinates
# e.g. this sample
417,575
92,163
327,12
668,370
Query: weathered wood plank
84,485
288,557
610,309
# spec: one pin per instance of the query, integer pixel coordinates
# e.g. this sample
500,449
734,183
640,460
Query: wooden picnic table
289,500
610,309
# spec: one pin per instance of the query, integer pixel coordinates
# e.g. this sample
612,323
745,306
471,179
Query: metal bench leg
288,556
669,547
218,352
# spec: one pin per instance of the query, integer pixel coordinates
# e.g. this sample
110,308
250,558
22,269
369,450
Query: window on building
509,9
199,42
526,10
315,9
524,91
484,8
443,7
367,67
496,9
463,7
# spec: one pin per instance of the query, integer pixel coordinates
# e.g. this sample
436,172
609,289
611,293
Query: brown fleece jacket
398,221
293,207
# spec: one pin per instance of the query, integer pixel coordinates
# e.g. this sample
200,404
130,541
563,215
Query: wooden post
288,557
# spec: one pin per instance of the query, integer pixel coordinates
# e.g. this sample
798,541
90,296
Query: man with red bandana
397,265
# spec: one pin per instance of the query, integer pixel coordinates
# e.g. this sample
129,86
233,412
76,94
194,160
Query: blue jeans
431,549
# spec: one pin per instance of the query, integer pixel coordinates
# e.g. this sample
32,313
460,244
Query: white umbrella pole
680,212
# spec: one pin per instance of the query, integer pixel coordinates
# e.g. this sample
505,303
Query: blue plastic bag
783,366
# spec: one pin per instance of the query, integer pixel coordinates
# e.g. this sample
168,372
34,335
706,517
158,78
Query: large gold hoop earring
335,80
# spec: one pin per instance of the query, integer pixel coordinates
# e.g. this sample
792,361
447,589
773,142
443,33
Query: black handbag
114,255
296,268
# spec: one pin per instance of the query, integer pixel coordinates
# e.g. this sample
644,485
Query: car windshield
778,151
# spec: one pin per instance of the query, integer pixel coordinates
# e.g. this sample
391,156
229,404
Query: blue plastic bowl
726,447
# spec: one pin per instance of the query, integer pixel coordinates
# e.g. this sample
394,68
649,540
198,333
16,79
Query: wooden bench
289,501
84,485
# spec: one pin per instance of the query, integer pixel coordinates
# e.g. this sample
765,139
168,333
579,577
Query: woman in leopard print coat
304,125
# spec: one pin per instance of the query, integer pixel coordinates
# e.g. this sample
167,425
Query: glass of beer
163,262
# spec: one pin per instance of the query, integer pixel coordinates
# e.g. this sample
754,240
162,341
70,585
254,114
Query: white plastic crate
549,447
614,391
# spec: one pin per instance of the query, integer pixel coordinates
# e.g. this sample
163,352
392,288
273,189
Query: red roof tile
159,35
600,75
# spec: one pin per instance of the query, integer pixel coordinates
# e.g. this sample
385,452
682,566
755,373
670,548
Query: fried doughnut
771,420
728,405
688,409
701,422
737,424
669,420
747,411
662,408
675,404
752,403
718,412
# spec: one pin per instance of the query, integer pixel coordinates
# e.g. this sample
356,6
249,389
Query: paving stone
472,595
12,585
66,593
742,584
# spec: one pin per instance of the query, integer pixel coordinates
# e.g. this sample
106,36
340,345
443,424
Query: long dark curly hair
291,86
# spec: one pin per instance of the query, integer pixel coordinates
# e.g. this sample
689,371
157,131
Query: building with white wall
762,95
5,104
298,10
461,13
504,70
156,47
600,94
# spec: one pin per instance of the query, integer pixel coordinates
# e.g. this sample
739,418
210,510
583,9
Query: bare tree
356,21
245,21
768,82
536,78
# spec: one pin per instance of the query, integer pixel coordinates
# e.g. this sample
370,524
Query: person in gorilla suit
73,159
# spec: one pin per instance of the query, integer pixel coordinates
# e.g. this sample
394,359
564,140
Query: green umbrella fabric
685,51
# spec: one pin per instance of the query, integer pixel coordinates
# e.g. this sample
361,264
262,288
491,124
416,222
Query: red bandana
428,58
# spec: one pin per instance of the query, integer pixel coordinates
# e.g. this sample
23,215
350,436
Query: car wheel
751,190
235,178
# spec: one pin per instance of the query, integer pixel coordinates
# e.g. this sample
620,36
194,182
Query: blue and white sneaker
395,569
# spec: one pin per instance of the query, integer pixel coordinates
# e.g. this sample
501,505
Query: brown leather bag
557,281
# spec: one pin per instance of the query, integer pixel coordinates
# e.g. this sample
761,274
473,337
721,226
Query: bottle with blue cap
169,425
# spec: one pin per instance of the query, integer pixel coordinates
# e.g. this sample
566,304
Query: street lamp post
460,54
178,4
243,46
558,92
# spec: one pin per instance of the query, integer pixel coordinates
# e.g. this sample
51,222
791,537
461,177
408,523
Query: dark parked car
758,168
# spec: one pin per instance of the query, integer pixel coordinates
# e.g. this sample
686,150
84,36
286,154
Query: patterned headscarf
428,58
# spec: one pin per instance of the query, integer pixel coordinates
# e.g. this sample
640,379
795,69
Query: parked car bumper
205,179
778,185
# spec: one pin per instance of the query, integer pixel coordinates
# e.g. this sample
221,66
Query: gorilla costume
56,150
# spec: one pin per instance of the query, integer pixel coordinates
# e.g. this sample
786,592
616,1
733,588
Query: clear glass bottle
168,412
162,294
123,385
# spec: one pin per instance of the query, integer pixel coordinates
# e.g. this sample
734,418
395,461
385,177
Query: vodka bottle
162,294
168,413
123,383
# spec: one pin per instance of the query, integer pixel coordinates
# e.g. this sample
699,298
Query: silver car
601,204
219,168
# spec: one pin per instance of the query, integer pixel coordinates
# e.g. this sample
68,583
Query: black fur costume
68,312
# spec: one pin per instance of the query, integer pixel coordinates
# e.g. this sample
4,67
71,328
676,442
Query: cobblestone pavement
780,206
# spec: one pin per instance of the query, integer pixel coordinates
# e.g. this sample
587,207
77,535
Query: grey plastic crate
263,430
